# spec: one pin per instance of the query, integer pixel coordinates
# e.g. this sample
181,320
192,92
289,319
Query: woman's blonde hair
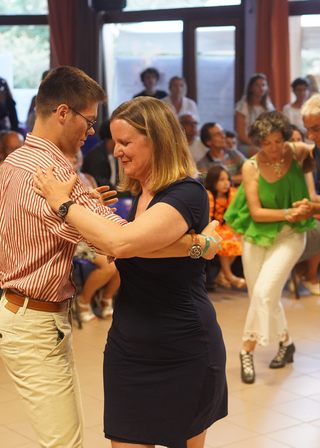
171,158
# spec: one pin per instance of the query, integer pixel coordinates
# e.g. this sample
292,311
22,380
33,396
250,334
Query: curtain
75,34
272,49
62,19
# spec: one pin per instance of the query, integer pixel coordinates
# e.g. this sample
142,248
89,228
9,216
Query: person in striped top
36,251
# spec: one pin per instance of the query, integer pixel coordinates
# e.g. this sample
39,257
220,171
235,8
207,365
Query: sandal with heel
238,282
221,280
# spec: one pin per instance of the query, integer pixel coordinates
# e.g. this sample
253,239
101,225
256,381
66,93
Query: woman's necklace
277,166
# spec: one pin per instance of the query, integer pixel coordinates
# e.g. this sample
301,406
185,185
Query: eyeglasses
90,123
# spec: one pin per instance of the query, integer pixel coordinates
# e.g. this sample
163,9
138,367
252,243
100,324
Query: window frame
193,18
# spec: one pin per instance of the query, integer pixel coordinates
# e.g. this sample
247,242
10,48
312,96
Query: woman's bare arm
259,214
157,229
240,125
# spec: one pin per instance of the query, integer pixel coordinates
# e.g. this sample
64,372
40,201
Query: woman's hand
215,239
103,193
305,205
53,190
301,210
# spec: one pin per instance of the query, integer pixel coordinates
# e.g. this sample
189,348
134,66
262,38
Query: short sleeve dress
164,364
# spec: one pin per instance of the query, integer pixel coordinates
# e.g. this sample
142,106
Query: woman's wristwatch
195,250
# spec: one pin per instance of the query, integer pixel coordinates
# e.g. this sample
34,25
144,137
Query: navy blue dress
164,364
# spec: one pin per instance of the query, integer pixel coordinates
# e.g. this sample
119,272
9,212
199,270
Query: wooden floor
281,410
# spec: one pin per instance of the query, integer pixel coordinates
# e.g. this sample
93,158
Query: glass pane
215,74
130,48
139,5
24,55
304,47
24,7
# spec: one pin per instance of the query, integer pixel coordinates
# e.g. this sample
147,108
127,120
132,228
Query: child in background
220,193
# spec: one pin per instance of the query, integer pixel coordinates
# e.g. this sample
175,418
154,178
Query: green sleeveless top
277,195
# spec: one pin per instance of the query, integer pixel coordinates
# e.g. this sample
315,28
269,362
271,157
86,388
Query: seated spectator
231,140
301,90
190,126
8,114
177,99
255,101
100,162
105,273
9,142
220,193
149,78
31,116
213,137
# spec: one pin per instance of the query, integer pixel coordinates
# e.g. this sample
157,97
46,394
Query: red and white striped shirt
36,246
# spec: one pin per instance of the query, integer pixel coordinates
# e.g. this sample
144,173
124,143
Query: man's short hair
70,86
150,71
230,134
300,82
205,132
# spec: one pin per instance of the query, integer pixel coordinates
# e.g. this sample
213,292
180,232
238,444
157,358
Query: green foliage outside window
30,49
24,7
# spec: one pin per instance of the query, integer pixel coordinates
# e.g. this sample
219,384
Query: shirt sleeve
190,199
237,157
59,227
242,107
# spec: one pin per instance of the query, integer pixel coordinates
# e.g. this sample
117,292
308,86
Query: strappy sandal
85,312
106,308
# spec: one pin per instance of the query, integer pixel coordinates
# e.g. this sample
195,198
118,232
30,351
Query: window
215,74
24,7
24,55
140,5
304,46
130,48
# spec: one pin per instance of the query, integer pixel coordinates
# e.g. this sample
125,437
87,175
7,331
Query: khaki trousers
35,347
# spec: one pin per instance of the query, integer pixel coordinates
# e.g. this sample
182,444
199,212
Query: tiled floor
281,410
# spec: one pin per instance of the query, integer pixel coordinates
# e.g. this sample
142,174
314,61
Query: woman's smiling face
133,149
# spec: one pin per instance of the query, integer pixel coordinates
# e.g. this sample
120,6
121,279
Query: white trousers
266,271
35,347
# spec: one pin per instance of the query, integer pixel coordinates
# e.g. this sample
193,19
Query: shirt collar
43,144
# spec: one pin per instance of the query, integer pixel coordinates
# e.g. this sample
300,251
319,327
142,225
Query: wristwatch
64,208
195,250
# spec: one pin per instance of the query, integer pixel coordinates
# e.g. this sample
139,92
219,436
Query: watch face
63,210
195,251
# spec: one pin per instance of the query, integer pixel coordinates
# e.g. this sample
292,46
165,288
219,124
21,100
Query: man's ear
62,112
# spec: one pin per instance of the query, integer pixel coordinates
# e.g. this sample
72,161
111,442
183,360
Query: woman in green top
273,233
